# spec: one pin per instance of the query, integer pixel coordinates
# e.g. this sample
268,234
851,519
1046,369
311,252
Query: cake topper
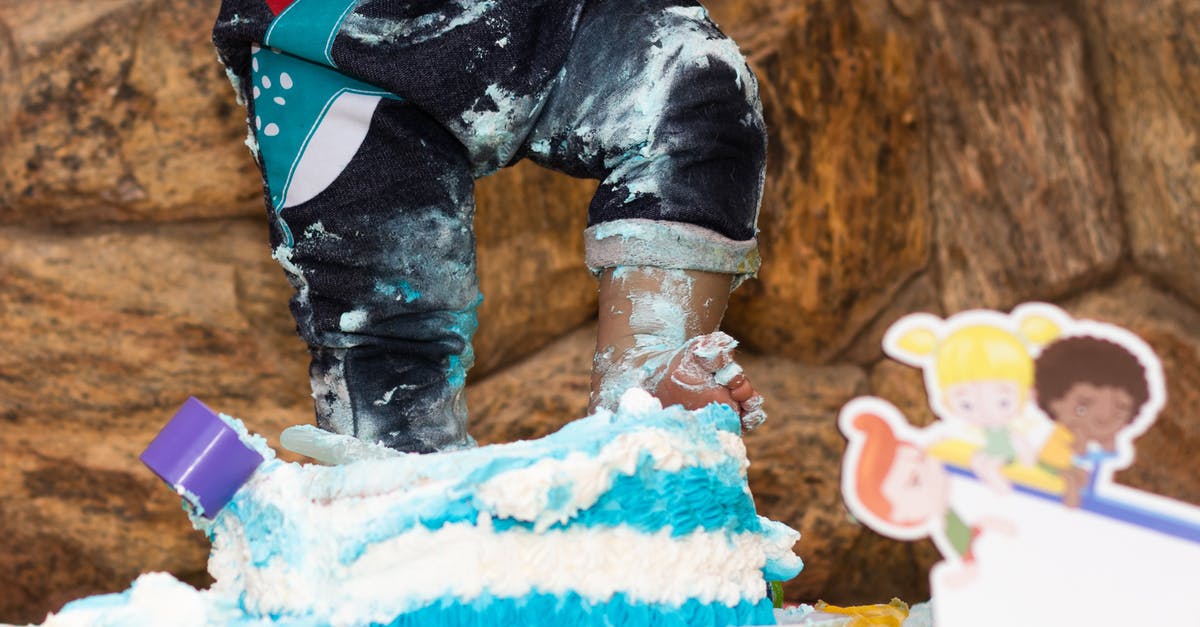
1013,481
202,457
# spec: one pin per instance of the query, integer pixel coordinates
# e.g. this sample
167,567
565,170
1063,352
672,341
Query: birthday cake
638,517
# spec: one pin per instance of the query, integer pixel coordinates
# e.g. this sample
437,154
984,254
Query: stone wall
929,155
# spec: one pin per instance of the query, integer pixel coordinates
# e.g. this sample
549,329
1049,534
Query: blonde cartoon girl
978,368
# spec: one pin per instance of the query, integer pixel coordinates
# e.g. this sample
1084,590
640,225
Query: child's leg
658,329
385,262
661,106
372,206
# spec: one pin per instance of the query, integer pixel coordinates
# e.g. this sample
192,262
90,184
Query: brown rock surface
120,113
919,295
111,320
1166,453
106,332
529,223
537,396
9,97
1146,55
795,462
1022,187
795,474
875,568
845,220
903,386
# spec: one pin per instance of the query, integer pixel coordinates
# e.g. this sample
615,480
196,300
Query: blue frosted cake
642,517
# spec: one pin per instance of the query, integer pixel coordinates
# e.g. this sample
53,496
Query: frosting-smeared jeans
370,121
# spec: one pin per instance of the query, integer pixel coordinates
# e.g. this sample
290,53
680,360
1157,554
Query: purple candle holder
201,457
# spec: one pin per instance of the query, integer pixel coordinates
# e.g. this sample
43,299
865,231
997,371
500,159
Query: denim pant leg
661,106
383,260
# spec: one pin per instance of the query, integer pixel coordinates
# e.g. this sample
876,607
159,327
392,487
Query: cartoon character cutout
979,374
1035,389
1014,480
1100,394
890,482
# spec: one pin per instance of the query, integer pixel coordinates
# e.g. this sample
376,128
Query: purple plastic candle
201,457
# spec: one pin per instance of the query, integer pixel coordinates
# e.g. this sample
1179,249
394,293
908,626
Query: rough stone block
1022,184
118,111
845,221
1146,57
106,332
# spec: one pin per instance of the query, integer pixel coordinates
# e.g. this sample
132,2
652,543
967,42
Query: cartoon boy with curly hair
1093,388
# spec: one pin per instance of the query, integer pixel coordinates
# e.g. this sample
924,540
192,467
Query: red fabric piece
277,6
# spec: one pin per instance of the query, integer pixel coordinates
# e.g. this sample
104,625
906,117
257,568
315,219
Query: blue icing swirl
712,499
693,498
648,501
268,532
573,609
559,496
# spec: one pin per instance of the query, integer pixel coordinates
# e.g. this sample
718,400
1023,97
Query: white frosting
154,599
462,560
341,571
522,494
352,544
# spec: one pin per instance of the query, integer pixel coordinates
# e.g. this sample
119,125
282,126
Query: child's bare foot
702,372
658,330
699,372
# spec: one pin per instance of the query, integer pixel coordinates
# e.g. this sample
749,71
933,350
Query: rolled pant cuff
663,244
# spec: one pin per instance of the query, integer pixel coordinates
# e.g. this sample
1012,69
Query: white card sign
1014,480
